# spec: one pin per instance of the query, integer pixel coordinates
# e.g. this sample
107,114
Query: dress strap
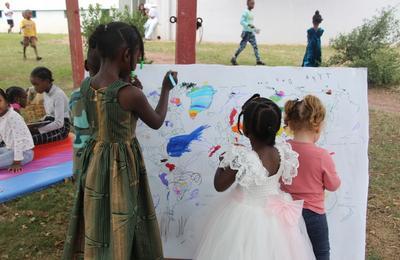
112,90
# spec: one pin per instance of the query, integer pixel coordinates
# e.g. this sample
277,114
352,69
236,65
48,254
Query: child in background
248,34
258,221
16,136
28,28
17,97
56,107
113,208
312,57
316,172
8,13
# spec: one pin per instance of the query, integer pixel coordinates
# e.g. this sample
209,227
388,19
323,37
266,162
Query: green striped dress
113,216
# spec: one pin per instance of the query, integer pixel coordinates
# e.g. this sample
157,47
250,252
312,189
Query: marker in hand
172,80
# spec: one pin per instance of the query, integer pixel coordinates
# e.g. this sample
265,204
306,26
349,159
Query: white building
281,22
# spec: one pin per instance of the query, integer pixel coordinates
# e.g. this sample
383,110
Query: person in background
142,10
152,22
28,28
313,55
56,124
248,34
17,97
18,144
9,16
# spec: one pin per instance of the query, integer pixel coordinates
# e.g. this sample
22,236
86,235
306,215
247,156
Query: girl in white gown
257,221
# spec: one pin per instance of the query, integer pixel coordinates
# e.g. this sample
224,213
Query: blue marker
172,80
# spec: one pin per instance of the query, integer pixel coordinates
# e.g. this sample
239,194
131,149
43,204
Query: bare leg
36,52
24,53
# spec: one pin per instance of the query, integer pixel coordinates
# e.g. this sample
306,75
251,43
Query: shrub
95,16
375,45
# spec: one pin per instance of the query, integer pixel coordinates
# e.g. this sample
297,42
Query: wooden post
185,46
75,41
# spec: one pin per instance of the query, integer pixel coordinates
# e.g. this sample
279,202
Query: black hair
42,73
13,93
93,60
317,18
4,95
109,38
262,118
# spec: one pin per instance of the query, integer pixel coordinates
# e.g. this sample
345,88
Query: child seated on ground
17,139
17,97
55,126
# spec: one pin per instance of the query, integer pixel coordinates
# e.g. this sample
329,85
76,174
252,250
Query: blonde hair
307,114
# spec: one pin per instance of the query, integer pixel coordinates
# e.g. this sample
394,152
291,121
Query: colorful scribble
176,101
201,99
178,145
232,116
163,178
235,128
213,150
170,166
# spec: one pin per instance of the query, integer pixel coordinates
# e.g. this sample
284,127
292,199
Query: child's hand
136,83
15,167
167,84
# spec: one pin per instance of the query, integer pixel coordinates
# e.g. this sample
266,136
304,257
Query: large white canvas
182,181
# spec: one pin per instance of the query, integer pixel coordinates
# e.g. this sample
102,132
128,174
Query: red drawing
232,116
213,150
170,166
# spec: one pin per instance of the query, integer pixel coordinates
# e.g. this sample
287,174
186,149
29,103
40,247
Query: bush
95,16
374,45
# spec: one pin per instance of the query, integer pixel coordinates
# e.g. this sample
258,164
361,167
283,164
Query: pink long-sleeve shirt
316,173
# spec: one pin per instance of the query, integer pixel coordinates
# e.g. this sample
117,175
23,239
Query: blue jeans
317,229
7,157
248,37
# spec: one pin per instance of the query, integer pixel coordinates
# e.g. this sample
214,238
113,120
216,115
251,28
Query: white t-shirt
153,13
8,13
15,134
55,105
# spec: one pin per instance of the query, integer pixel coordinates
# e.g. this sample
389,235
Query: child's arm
58,116
224,177
330,178
133,99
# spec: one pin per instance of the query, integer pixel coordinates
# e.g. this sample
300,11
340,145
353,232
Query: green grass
33,227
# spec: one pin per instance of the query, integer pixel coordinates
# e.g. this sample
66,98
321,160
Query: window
1,13
34,14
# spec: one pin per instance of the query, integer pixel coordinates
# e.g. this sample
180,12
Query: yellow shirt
28,28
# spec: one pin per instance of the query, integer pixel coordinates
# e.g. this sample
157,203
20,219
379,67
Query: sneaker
260,63
234,62
38,58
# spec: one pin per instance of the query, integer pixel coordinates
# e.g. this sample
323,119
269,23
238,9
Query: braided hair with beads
261,119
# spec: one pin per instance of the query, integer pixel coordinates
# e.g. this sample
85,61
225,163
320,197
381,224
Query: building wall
281,22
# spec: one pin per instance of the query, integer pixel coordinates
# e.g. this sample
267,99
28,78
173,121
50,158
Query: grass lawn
33,227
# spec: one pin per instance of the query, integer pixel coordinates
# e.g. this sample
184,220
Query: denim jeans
317,229
248,37
7,157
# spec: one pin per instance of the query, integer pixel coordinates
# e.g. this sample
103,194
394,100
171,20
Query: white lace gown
257,221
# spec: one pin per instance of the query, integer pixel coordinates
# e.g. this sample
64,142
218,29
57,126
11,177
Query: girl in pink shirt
316,172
